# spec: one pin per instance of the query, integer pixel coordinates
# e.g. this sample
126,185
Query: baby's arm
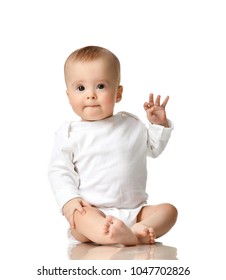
71,206
160,127
63,178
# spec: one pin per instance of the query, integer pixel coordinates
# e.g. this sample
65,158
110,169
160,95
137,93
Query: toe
106,228
109,219
151,236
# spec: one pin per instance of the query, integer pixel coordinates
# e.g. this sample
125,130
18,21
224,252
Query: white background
174,48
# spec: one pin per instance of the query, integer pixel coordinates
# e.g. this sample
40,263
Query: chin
95,118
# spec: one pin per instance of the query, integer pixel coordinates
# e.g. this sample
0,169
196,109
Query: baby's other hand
71,206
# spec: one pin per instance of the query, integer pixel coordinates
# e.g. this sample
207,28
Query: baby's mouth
92,106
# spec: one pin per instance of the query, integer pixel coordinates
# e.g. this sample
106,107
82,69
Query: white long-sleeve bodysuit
104,162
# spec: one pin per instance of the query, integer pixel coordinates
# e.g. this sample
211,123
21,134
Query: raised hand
156,113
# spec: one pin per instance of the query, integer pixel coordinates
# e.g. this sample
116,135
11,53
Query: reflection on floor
158,251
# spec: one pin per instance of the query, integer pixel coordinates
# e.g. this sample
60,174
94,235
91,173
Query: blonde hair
91,53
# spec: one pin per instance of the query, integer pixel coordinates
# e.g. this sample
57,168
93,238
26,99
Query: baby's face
92,89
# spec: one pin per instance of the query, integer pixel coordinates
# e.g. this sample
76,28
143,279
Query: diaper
128,216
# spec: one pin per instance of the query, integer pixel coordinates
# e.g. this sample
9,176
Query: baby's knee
171,210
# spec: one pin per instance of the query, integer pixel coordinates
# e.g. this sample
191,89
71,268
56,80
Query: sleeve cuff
161,132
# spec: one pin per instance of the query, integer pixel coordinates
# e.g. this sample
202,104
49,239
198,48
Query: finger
71,221
165,101
80,209
85,203
147,106
151,99
157,100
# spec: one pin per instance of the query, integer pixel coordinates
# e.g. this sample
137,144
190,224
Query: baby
98,165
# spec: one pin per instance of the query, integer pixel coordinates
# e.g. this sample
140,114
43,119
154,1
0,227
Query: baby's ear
119,93
68,96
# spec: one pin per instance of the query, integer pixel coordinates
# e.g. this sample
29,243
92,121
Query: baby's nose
91,95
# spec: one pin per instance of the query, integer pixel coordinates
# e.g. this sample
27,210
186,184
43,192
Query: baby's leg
93,226
154,221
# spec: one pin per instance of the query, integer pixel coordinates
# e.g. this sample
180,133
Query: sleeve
63,178
158,137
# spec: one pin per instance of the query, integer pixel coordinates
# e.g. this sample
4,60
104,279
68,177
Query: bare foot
118,232
144,234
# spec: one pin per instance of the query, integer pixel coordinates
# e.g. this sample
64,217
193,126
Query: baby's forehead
99,65
78,61
98,69
102,63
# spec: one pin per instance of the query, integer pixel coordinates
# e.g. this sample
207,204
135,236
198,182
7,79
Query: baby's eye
80,88
100,86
